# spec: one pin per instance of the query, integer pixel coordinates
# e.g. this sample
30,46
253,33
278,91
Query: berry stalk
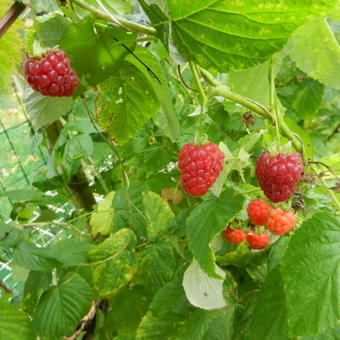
222,91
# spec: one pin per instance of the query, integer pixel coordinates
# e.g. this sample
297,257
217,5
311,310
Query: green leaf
319,58
208,325
76,148
252,83
158,213
35,286
44,110
236,35
129,209
22,195
61,307
125,103
306,138
93,53
311,275
160,85
71,252
206,221
331,334
157,265
268,314
27,255
307,98
50,31
102,219
14,323
127,310
113,264
201,290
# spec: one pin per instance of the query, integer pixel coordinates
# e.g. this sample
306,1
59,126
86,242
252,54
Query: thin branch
10,16
129,25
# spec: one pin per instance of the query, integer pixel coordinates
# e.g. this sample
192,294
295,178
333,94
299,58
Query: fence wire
19,161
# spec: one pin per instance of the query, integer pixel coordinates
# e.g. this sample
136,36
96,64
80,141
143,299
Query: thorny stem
128,25
220,90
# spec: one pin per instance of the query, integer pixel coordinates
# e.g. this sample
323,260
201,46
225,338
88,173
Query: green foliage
236,35
127,104
62,306
110,245
323,53
206,221
14,323
310,272
45,110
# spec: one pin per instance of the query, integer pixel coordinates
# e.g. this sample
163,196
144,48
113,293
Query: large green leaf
129,209
101,221
311,275
237,34
331,334
27,255
160,85
126,102
94,54
61,307
157,265
14,323
319,58
252,83
113,263
268,315
50,31
206,221
158,213
45,110
307,98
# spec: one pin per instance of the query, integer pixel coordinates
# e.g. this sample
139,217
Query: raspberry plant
141,107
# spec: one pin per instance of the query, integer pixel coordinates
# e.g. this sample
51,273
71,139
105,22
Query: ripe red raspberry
234,235
200,167
257,241
258,212
51,75
281,222
278,175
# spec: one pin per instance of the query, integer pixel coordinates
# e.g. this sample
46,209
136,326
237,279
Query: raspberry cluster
278,221
51,75
278,175
200,167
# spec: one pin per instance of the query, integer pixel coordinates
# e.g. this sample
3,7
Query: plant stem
46,224
128,25
273,102
222,91
201,94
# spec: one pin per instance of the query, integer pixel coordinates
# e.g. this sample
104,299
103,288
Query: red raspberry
281,222
200,167
278,175
258,212
257,241
51,75
234,235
